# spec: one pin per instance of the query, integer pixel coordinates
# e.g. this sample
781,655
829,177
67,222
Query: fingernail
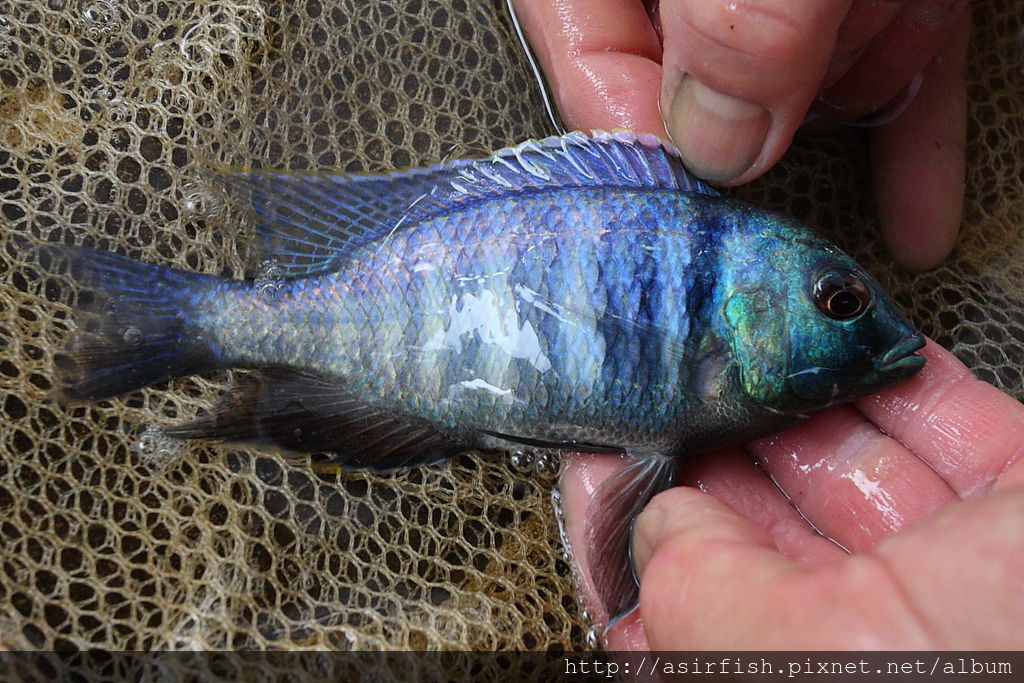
719,136
646,530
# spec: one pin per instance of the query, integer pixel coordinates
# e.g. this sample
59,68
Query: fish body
575,292
500,319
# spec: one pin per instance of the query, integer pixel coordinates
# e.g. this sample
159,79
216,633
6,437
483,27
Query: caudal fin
137,323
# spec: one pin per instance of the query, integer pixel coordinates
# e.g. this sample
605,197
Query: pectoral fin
610,517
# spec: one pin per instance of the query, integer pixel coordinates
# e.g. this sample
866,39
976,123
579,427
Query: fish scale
575,292
422,378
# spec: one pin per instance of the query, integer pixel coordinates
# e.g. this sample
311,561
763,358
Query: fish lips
901,361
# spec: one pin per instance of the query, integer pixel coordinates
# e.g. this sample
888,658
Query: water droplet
156,448
132,336
592,637
119,112
270,269
200,202
270,280
59,45
548,462
563,534
522,460
5,36
99,18
101,93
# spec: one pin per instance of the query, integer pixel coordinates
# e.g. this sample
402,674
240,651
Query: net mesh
115,537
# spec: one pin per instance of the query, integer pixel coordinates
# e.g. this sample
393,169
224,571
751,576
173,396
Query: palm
898,480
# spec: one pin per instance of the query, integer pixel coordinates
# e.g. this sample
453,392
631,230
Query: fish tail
612,512
139,323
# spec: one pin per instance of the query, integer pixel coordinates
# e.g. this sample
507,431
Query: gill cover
760,341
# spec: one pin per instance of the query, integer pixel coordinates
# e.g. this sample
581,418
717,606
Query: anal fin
610,517
306,413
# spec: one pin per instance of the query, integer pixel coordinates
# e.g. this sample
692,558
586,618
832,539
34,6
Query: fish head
810,328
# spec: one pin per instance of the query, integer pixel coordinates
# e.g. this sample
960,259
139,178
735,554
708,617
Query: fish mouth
901,357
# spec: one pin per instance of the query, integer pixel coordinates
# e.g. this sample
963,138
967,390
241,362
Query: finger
601,59
919,161
967,431
731,476
864,20
962,571
1013,475
852,482
713,581
738,78
894,57
627,634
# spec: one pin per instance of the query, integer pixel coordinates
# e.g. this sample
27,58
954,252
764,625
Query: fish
579,292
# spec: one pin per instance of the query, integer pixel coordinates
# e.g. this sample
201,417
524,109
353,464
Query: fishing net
114,537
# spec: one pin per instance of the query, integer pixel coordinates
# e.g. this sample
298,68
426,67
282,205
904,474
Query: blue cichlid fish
580,293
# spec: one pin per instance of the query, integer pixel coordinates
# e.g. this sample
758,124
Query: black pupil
841,294
844,304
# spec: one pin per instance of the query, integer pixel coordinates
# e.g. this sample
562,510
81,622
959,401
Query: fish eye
841,294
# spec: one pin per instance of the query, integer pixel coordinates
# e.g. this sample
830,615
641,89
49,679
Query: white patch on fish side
534,299
485,385
504,396
493,324
424,266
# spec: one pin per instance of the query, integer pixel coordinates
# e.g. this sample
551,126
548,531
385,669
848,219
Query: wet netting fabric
114,537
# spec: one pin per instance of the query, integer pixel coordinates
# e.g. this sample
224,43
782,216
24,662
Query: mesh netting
114,537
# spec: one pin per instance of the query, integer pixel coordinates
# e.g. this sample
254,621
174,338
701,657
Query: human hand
919,487
734,81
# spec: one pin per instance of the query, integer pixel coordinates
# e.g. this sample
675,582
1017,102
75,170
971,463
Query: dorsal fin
309,221
306,221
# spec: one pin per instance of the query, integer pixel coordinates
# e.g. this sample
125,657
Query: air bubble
156,447
132,336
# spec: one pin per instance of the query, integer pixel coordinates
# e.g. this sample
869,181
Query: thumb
697,560
737,79
712,580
